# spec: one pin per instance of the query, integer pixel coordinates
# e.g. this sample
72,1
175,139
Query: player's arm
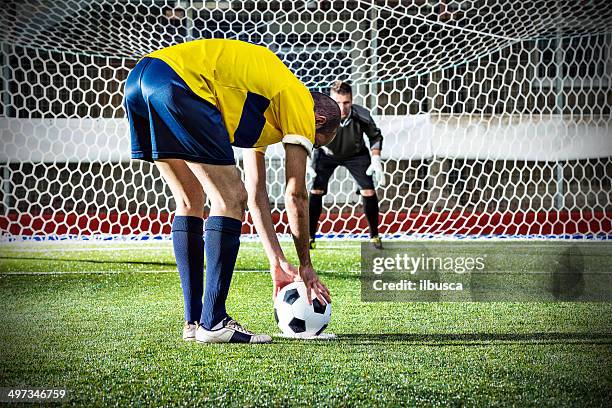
375,137
296,204
372,131
282,271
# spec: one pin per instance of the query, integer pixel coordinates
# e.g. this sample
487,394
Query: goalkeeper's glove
376,170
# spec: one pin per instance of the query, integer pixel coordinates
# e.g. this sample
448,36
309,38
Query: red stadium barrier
447,223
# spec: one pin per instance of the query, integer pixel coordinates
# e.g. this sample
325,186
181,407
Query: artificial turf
104,321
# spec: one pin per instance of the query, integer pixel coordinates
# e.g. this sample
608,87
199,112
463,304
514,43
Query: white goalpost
496,114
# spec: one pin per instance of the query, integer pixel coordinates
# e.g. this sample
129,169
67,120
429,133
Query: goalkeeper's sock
222,243
188,246
370,207
315,206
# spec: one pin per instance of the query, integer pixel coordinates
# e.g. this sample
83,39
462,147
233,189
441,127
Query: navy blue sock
188,245
222,243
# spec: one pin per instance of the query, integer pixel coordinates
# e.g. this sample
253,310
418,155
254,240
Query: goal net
496,114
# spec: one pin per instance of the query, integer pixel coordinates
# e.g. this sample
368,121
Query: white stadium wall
414,137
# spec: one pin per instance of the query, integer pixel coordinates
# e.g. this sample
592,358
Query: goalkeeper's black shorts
357,165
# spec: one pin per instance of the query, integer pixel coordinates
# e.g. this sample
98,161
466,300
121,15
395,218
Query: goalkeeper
348,149
187,105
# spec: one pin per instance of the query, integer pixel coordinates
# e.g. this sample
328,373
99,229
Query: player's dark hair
341,87
326,106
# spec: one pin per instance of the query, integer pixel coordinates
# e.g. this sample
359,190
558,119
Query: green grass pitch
104,321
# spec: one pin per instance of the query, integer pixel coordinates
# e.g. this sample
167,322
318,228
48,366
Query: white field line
246,248
92,249
132,248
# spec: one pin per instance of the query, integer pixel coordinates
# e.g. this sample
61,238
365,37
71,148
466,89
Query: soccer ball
295,317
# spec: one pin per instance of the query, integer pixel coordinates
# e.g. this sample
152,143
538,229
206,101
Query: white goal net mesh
496,114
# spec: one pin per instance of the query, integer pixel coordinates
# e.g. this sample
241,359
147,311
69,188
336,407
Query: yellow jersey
260,99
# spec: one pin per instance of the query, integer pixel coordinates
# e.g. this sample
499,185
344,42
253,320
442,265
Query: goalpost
496,114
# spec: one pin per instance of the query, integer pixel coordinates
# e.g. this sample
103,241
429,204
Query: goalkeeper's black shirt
349,139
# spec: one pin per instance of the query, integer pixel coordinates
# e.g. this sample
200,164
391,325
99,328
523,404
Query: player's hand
283,273
376,170
314,285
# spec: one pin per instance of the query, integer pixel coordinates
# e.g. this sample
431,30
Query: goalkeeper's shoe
376,242
313,244
229,331
189,331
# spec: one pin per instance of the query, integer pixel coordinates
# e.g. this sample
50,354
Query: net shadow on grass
476,339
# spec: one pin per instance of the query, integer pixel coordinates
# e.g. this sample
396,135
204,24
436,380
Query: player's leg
357,166
315,208
187,229
222,235
371,210
324,167
228,198
187,237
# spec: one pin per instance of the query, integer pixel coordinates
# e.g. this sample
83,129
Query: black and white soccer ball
295,317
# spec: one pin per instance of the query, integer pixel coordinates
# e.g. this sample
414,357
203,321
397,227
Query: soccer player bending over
187,105
348,149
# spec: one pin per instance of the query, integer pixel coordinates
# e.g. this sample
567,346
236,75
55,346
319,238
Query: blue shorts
169,121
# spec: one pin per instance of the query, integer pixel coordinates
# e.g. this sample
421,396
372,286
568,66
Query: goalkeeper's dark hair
342,88
326,106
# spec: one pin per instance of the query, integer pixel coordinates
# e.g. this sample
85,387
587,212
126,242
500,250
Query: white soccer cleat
229,331
189,331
